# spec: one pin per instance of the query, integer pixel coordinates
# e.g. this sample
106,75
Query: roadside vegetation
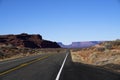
105,55
8,52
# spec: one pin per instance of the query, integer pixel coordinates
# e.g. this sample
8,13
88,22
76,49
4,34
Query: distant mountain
79,44
27,40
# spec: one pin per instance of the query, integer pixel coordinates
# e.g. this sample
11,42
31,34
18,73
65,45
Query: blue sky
62,20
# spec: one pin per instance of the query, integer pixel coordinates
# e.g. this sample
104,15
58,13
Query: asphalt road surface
47,66
5,65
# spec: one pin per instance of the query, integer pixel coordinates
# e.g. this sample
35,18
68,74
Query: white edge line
58,75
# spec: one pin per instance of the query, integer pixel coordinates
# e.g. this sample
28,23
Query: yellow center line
23,65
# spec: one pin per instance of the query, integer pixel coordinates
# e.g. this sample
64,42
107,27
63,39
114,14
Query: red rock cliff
26,40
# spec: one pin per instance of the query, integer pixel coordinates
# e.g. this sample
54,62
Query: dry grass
7,53
99,55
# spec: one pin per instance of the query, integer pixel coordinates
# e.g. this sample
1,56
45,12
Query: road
47,66
79,71
4,65
42,69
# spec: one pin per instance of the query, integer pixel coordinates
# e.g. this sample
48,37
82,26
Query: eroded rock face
26,40
46,44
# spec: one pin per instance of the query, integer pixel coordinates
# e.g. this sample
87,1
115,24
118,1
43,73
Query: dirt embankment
105,55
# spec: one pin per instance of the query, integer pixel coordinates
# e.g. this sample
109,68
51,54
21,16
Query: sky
62,20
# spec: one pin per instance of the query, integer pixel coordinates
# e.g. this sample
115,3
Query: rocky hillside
26,40
106,54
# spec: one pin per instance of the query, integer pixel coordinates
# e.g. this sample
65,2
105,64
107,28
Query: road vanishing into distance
54,66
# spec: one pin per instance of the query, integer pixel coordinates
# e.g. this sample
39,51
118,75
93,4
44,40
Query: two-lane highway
45,67
57,66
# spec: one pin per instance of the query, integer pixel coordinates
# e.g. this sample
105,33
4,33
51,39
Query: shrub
101,49
1,55
108,46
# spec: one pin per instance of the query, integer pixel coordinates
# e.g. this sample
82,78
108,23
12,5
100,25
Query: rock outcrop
26,40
